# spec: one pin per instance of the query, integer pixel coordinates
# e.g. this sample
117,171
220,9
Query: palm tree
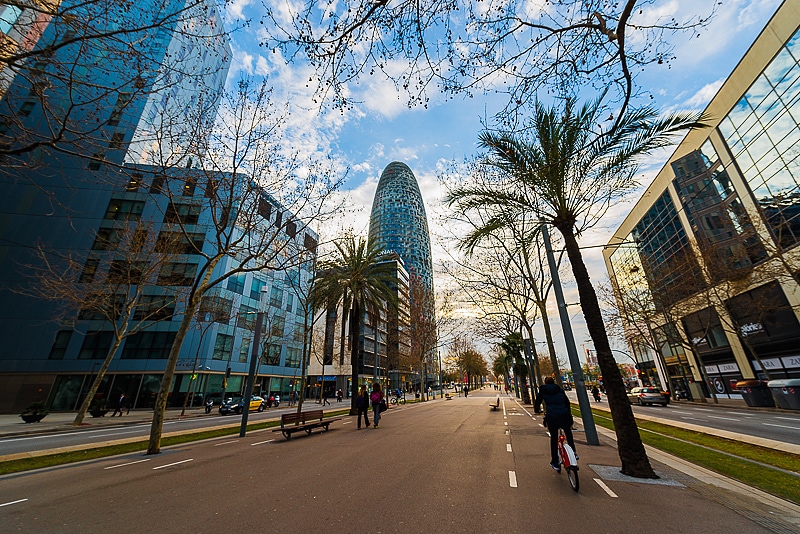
358,279
512,347
569,174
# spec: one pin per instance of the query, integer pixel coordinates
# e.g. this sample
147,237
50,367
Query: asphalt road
441,466
779,426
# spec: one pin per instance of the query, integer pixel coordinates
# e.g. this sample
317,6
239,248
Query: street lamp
569,339
254,356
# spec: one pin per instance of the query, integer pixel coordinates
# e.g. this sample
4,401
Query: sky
382,129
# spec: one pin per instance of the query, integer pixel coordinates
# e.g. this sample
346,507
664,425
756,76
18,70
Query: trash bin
786,393
755,393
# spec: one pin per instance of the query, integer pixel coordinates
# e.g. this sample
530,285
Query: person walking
375,399
339,395
466,390
557,415
596,394
362,405
120,405
325,397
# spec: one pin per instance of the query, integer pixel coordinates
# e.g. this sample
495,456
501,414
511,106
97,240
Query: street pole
254,355
569,339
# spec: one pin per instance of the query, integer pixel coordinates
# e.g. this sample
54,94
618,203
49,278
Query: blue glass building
398,221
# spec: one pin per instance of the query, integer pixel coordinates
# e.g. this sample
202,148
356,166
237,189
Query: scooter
209,405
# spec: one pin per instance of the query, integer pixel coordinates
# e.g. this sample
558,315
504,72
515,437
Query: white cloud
702,97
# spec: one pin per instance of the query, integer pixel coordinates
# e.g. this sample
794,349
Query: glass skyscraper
398,221
705,265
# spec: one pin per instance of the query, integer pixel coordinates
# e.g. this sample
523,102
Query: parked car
644,396
236,404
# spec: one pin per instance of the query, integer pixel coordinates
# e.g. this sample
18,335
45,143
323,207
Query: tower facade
398,221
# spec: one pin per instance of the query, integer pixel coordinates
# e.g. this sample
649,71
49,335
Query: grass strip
714,453
93,453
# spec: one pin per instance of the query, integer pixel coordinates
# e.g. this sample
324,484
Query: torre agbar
705,267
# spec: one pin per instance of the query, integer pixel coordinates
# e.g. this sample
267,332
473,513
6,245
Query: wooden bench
496,405
294,422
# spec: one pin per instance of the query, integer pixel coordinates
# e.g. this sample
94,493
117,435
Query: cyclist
558,415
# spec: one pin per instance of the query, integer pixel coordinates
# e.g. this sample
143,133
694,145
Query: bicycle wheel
403,400
572,475
393,401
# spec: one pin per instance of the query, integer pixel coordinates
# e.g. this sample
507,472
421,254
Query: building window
155,308
272,355
236,283
289,302
97,161
216,308
107,239
148,346
264,208
244,350
189,186
223,347
9,17
26,108
60,344
177,274
124,210
293,357
291,229
116,140
119,107
95,345
182,213
89,269
276,297
180,243
126,272
157,186
134,183
299,332
247,317
255,288
278,324
310,243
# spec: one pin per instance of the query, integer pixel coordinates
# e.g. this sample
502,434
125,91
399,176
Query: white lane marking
605,488
129,463
60,434
508,447
175,463
347,422
13,502
262,442
512,479
505,423
724,418
702,410
783,426
541,425
743,414
680,411
226,442
504,408
506,432
787,418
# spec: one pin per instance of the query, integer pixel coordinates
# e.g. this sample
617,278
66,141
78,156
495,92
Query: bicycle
398,399
568,460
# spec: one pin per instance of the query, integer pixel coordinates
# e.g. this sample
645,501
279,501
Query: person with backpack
558,414
362,405
376,399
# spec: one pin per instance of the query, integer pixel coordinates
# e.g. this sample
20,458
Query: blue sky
382,129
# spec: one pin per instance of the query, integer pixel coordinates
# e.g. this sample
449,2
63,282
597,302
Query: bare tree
461,47
114,288
258,200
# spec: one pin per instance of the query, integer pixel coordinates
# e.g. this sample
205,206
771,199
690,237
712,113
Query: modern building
705,267
78,200
398,221
20,30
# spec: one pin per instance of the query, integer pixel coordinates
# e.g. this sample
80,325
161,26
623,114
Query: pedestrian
292,398
596,393
466,390
376,399
120,405
362,405
325,397
430,391
339,395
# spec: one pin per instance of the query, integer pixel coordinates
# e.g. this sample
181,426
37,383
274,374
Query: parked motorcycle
209,405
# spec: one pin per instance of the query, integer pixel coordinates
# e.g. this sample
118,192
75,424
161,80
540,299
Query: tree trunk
551,348
112,351
629,444
355,346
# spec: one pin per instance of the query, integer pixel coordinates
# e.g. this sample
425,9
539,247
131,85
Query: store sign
728,368
791,362
773,363
712,369
752,328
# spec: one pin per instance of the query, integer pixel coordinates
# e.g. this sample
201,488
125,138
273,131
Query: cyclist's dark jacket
557,403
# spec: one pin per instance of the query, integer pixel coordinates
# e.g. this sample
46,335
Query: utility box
755,393
786,393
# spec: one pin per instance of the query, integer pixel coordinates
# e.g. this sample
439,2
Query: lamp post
254,356
569,339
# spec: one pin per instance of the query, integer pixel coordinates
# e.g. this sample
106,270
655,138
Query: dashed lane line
174,463
12,502
605,488
262,442
782,426
723,418
508,447
129,463
227,443
512,479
